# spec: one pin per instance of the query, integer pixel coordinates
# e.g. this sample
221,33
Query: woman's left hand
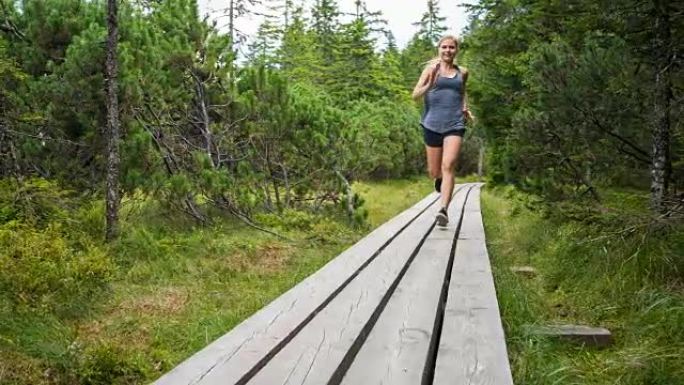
470,118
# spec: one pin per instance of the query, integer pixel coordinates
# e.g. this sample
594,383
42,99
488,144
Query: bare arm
425,82
466,111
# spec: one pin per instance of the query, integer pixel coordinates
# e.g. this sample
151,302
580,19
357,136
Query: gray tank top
443,105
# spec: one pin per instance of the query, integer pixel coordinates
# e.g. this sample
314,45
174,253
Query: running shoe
442,218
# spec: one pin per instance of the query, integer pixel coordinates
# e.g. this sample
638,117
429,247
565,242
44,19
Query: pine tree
325,26
390,74
297,54
431,25
422,46
413,59
262,48
113,158
661,165
351,75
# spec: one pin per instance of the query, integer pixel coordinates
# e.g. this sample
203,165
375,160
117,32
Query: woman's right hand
426,81
434,73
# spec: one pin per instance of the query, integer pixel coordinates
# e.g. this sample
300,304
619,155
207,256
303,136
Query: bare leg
452,148
434,161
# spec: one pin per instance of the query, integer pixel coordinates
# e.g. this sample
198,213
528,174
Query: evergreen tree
297,54
235,10
390,73
557,120
431,25
413,59
351,74
262,48
325,26
113,132
11,78
422,46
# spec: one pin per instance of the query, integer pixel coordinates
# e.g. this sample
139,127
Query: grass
385,200
592,274
175,289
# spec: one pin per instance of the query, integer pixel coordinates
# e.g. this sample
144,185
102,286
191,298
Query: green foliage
383,141
565,102
106,364
43,270
201,133
33,201
172,286
289,220
431,24
602,272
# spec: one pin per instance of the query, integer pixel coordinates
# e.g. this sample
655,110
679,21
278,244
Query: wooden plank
525,271
472,347
473,228
313,355
581,334
245,346
396,350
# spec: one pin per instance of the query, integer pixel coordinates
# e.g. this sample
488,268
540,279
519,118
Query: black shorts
436,139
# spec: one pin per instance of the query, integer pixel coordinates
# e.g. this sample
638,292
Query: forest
115,113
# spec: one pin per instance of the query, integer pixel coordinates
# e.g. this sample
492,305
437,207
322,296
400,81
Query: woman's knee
434,172
448,167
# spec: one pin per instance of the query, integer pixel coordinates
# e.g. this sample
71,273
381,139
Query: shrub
42,270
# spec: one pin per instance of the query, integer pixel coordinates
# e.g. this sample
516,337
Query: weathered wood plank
396,350
525,271
245,347
313,355
472,347
582,334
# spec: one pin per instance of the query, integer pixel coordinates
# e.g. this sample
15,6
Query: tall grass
604,271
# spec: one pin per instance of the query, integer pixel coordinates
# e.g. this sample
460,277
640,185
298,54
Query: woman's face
447,50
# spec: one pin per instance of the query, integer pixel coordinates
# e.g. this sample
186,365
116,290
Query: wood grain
472,346
244,347
397,347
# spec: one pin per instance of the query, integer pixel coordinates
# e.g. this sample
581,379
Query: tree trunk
113,159
231,24
661,163
286,181
11,168
480,162
480,159
204,115
349,193
274,182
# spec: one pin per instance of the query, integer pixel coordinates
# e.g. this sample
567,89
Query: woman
442,84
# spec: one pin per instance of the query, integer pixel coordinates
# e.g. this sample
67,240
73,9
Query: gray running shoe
442,218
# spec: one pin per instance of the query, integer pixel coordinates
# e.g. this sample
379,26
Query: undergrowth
609,266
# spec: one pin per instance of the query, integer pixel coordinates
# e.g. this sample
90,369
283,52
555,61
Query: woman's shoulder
430,65
464,72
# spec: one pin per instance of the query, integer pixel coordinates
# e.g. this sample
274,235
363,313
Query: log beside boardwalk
581,334
411,303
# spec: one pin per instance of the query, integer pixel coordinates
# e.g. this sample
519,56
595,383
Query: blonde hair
437,59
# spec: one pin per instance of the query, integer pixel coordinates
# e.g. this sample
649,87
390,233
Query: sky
400,14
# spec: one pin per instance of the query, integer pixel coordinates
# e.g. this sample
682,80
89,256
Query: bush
107,364
289,220
35,200
42,270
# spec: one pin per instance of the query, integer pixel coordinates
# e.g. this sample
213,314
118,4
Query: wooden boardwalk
411,303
